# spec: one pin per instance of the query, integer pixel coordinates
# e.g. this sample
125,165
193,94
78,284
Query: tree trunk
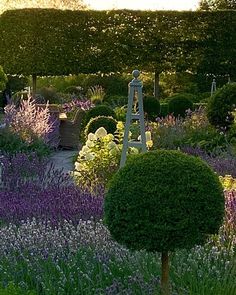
165,289
157,84
34,79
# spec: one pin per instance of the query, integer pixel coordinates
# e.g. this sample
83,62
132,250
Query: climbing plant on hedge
221,106
162,201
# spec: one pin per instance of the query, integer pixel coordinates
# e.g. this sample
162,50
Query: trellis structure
135,91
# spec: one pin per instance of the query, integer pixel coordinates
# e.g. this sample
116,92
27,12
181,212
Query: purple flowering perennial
31,187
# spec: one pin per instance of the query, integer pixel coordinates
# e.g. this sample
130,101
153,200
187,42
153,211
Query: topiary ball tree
179,104
221,106
109,123
162,201
151,107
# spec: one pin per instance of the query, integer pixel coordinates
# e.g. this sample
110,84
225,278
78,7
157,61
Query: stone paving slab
64,159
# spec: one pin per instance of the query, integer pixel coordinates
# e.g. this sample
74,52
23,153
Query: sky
143,4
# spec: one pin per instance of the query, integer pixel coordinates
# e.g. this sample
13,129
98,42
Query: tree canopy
57,4
217,4
61,42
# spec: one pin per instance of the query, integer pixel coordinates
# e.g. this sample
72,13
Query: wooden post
34,82
157,84
165,288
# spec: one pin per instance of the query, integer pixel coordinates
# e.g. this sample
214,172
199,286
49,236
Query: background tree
217,4
57,4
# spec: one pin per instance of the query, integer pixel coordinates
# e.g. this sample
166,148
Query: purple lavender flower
34,188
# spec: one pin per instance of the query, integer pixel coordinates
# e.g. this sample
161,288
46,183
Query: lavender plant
83,259
34,188
223,163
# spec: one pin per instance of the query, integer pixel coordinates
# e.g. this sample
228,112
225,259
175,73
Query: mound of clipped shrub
109,123
164,200
151,107
100,110
221,106
179,104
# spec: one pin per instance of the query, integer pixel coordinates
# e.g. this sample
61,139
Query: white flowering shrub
99,158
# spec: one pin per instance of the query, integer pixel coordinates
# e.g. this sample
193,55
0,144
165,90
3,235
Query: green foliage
49,94
96,94
195,131
12,143
198,105
3,79
116,100
120,113
12,289
73,90
164,110
151,107
164,200
109,123
100,110
179,104
169,37
217,4
99,159
221,106
17,83
179,82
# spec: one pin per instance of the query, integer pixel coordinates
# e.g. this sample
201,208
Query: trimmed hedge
109,123
100,110
164,200
56,42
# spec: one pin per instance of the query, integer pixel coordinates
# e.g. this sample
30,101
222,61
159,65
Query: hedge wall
56,42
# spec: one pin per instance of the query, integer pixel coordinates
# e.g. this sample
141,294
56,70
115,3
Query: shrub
32,123
31,188
116,100
12,289
100,156
175,216
100,110
12,143
223,164
151,107
121,113
73,90
164,110
221,105
178,105
109,123
50,94
162,201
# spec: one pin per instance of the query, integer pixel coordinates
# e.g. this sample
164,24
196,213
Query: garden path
64,159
